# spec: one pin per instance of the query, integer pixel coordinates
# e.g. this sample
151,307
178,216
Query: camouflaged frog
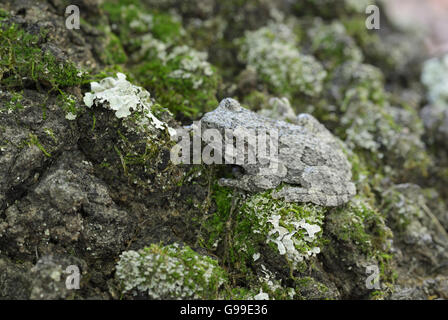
309,162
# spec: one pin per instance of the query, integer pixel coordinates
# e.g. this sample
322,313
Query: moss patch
23,65
177,75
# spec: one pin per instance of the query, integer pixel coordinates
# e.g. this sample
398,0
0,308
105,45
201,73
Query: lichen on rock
86,176
124,98
434,77
169,272
294,230
271,51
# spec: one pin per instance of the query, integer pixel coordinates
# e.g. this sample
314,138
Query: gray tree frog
309,159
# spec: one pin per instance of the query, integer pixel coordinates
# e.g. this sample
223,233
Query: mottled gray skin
310,160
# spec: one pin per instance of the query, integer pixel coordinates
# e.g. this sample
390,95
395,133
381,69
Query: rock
68,207
420,241
15,279
86,133
51,278
428,289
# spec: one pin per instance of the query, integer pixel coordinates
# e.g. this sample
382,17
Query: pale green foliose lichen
272,52
261,295
294,230
369,123
435,78
121,96
170,271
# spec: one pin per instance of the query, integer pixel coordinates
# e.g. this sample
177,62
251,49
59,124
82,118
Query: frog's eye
238,171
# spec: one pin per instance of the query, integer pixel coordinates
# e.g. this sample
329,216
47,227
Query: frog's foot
251,183
298,194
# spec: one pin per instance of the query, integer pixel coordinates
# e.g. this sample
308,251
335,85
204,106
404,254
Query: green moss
170,272
132,18
330,8
331,44
304,288
15,102
140,157
3,14
238,293
114,53
23,64
267,285
256,100
34,140
21,59
356,28
51,134
111,71
401,209
185,84
361,176
245,227
216,224
308,288
360,224
272,51
361,229
165,28
178,76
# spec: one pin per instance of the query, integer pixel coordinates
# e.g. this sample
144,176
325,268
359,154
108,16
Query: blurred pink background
428,15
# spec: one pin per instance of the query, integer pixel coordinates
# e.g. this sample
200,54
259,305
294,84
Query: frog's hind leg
298,194
251,183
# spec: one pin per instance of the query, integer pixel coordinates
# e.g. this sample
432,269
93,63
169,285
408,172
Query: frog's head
230,105
226,116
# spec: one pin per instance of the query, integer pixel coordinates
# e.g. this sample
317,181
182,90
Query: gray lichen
271,52
163,272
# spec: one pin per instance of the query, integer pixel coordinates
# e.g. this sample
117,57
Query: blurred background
430,16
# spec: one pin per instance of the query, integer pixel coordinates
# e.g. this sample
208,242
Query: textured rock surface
86,177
